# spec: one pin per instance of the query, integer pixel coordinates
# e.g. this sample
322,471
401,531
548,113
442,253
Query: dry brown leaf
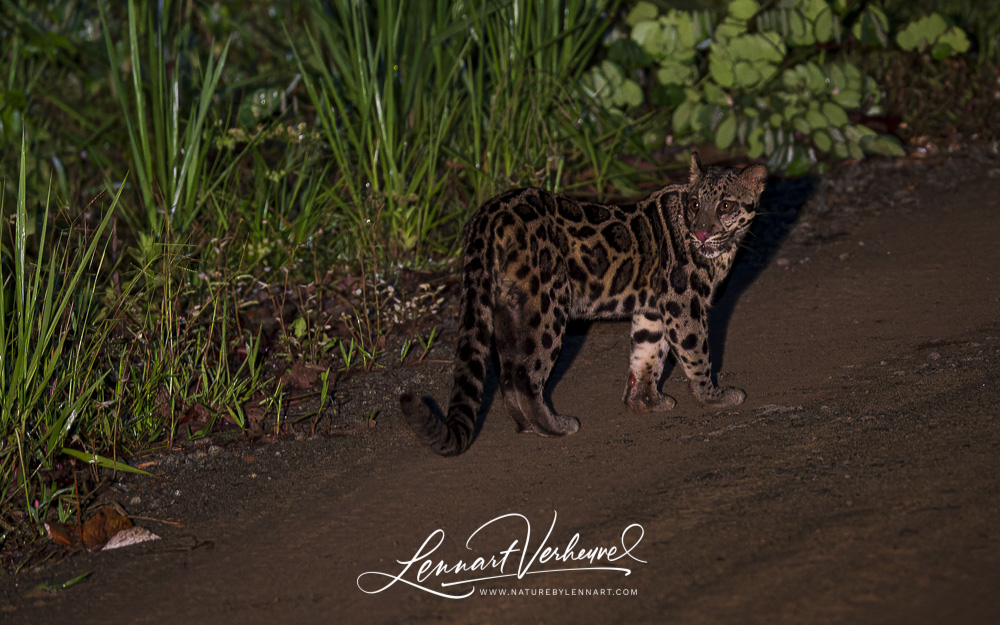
99,528
63,535
104,524
302,376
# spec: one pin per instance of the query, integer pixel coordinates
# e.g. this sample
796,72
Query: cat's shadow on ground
779,210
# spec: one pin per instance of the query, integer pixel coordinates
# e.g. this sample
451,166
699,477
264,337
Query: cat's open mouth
710,249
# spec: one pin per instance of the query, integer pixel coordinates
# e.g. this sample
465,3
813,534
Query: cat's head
720,204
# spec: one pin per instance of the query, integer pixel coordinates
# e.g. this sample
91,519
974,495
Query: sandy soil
859,483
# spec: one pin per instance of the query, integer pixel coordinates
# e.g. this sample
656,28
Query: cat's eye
726,207
693,205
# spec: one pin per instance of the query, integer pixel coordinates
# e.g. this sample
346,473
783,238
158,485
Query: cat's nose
702,235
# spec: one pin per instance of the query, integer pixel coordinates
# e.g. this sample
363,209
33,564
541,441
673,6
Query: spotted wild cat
535,259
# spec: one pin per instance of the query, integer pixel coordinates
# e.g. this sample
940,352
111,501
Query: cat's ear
754,178
696,169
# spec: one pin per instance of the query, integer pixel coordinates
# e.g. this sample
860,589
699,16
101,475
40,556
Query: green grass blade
102,461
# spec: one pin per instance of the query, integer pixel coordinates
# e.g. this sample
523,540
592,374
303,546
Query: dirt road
860,482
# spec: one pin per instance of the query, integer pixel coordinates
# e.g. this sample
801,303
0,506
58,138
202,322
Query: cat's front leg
649,351
689,341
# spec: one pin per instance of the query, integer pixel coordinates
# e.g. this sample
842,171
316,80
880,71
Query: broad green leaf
792,111
728,29
865,131
802,125
792,78
652,38
743,9
908,39
837,76
641,12
715,95
746,75
299,328
816,78
726,132
704,116
955,37
767,71
768,47
800,31
922,33
614,74
824,26
834,113
672,72
854,76
849,98
854,148
681,118
630,93
816,120
720,68
941,50
812,9
883,145
857,132
681,24
822,140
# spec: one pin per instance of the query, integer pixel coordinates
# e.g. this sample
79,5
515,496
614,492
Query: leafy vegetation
782,79
173,173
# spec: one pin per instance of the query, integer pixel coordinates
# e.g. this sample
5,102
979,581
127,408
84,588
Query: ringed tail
455,434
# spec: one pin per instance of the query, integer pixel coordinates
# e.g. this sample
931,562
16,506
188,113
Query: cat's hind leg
527,349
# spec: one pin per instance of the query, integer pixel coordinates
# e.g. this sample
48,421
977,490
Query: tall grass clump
88,371
165,132
427,107
532,120
48,342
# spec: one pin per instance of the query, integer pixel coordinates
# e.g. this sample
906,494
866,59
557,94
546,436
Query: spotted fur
534,259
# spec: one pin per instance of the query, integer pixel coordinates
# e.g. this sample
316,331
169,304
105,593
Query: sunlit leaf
643,11
743,9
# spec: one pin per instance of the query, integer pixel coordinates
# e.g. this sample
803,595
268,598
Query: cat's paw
722,396
558,425
643,397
